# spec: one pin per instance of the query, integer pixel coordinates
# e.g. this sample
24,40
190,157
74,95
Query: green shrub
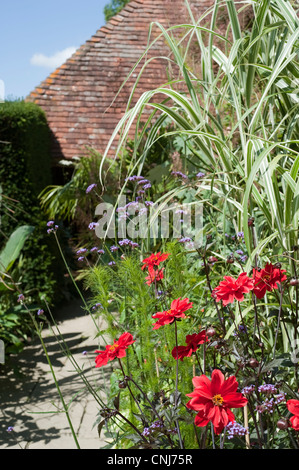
25,169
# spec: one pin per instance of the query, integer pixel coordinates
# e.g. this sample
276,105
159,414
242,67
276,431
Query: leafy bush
25,169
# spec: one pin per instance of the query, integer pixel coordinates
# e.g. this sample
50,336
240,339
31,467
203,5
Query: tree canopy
113,7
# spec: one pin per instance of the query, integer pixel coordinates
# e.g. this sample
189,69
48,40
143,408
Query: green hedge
25,170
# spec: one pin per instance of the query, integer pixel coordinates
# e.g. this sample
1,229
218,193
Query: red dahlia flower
154,260
154,275
192,341
117,349
231,289
177,309
293,407
266,279
213,399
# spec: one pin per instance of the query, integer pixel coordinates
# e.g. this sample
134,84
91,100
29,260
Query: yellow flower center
217,400
113,347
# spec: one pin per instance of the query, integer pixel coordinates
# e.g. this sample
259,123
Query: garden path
29,398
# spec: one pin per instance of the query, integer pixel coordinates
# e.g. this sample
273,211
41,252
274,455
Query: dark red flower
117,349
154,260
231,289
192,342
213,400
154,275
293,407
176,311
266,279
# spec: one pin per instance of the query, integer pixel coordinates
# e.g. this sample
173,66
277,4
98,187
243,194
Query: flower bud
253,363
211,331
282,423
294,282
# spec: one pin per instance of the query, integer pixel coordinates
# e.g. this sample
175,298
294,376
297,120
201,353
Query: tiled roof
78,97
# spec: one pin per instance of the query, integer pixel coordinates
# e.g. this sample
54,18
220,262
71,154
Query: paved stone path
29,400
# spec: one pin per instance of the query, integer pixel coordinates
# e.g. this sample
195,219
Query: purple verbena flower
92,225
235,429
200,175
97,306
40,312
248,390
143,181
81,251
185,240
21,298
267,388
91,187
179,174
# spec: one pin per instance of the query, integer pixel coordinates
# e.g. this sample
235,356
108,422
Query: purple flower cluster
92,225
97,306
90,188
21,298
156,426
127,242
267,388
200,175
52,226
124,212
142,181
268,405
235,429
83,252
179,174
185,240
248,390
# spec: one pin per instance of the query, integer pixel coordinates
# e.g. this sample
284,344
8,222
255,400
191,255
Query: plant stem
176,384
211,291
131,393
133,426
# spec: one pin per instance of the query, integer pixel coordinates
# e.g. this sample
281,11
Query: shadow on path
29,399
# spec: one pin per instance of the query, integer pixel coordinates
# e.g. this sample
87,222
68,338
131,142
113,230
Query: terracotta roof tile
78,97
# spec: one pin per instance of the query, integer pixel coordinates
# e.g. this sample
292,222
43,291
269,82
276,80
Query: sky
37,36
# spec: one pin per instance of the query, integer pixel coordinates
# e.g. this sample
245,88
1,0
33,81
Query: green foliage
29,259
113,7
71,204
